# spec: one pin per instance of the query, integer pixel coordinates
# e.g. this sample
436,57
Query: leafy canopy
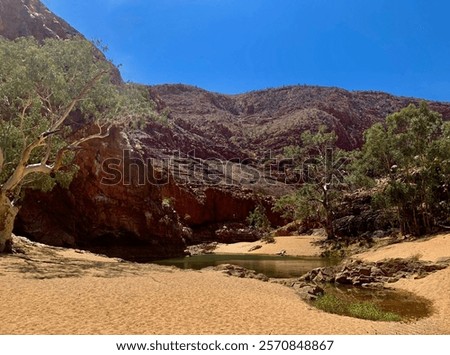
51,92
410,152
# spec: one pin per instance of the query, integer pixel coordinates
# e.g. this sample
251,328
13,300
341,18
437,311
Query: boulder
309,292
201,249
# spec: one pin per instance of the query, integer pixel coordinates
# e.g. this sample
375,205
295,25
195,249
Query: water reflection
269,265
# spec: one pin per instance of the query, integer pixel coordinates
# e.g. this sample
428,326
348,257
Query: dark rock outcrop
307,291
201,249
356,217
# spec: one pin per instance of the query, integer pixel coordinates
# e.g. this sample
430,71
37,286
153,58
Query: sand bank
295,246
56,291
431,249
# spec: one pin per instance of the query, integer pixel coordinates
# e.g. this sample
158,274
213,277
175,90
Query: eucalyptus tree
409,155
321,167
54,96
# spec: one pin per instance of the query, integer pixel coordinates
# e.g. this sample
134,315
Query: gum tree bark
8,214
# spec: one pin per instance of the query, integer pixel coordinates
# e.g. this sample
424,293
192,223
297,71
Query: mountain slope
251,124
22,18
31,18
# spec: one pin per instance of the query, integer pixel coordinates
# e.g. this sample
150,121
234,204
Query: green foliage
410,153
364,310
36,84
258,218
43,84
321,166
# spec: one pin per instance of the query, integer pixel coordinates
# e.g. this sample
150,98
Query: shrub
258,218
268,238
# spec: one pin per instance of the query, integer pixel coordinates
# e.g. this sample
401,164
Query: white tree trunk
8,214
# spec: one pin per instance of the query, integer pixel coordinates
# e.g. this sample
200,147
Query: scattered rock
201,249
342,278
238,271
292,228
235,233
373,274
445,259
307,291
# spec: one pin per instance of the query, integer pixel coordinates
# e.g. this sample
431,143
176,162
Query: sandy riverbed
55,291
297,245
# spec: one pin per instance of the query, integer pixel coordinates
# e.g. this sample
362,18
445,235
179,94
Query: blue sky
234,46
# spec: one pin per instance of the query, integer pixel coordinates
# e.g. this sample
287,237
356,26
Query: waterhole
340,299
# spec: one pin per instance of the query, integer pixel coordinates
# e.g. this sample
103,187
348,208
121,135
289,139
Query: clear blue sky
234,46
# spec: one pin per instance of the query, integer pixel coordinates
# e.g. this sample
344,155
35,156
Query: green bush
258,218
268,238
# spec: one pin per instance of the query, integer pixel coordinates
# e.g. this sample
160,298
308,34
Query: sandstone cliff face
129,221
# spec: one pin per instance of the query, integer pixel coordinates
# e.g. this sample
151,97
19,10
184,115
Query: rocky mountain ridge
251,124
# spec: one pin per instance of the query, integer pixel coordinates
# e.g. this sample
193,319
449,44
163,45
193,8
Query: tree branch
15,179
98,135
22,118
47,154
38,168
